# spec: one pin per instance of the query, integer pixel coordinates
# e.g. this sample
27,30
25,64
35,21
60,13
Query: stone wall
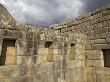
67,52
96,27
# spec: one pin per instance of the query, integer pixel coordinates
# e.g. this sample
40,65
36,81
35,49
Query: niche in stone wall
8,53
48,51
106,56
72,52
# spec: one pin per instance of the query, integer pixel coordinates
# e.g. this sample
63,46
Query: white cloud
42,11
45,12
72,8
3,2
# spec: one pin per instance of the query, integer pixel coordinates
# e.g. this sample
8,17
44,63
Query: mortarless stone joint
76,50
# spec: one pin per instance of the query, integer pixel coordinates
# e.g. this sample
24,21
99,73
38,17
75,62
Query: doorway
106,55
8,53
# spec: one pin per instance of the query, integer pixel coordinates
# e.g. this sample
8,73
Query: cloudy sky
46,12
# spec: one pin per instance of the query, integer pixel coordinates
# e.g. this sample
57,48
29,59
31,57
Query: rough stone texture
73,53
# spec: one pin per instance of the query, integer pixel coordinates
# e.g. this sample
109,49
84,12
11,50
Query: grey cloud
94,4
46,12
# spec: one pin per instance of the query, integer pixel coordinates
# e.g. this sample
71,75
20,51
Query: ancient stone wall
96,26
72,51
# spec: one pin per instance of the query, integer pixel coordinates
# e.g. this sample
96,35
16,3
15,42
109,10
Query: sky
47,12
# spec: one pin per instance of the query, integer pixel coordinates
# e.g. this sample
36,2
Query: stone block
71,74
99,41
21,43
29,36
29,44
91,36
106,71
80,75
93,63
9,71
80,54
23,70
22,79
93,54
101,35
12,34
48,77
5,80
30,51
21,51
76,63
49,38
90,74
105,13
71,64
108,40
24,59
106,79
79,46
106,23
88,47
101,46
58,57
57,51
41,51
99,78
99,70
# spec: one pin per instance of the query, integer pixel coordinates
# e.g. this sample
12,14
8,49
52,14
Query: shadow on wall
8,53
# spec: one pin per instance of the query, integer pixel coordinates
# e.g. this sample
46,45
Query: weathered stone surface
93,54
72,51
106,71
93,63
106,79
9,71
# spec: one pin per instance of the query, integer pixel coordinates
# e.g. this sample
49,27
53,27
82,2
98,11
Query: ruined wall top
8,22
6,19
83,18
74,24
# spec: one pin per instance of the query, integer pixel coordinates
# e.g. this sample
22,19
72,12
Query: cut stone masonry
76,50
